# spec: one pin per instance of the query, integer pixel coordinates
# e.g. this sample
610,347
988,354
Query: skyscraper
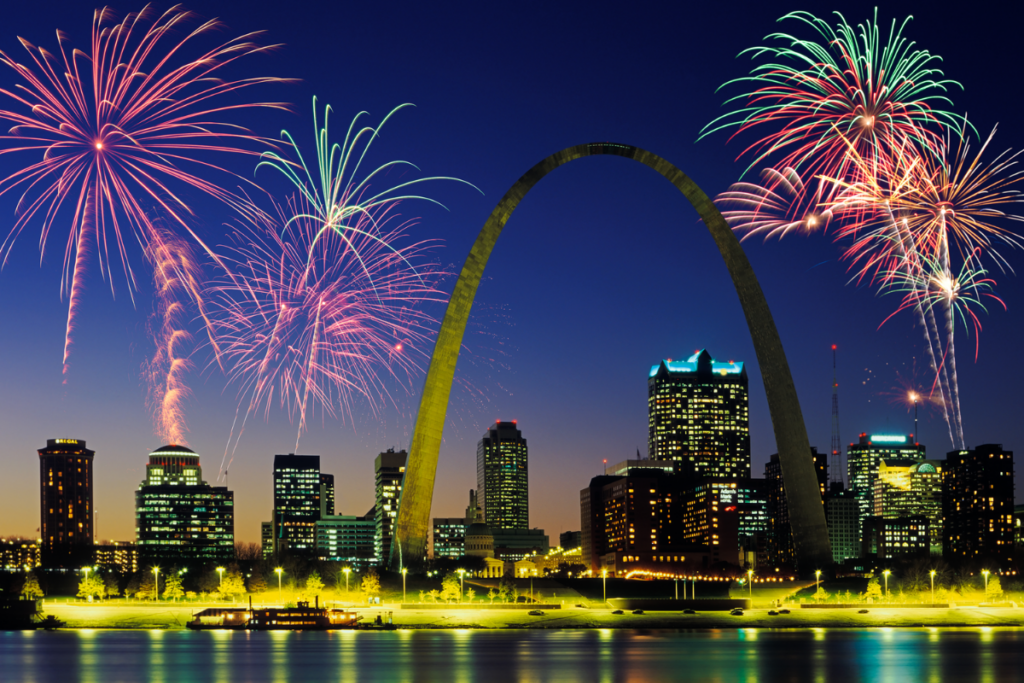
297,487
863,460
502,478
389,471
697,413
178,516
908,488
977,506
326,495
65,498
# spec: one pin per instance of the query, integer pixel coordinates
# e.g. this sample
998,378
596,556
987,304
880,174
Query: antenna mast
836,473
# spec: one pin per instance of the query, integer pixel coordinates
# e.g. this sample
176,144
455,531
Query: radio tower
836,474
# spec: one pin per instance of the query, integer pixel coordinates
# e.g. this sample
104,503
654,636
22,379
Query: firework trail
861,145
324,305
105,129
177,281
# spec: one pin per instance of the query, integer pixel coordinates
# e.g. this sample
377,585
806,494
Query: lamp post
220,573
532,599
677,587
886,575
404,572
604,584
750,582
462,582
984,572
156,583
817,582
346,570
278,571
932,574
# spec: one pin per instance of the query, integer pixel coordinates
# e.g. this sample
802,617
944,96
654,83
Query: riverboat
220,618
302,617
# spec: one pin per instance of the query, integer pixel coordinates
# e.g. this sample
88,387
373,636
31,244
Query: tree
470,595
90,586
248,552
422,596
491,594
370,585
233,584
314,584
112,583
31,589
874,589
994,590
172,586
821,595
434,595
450,588
209,582
256,583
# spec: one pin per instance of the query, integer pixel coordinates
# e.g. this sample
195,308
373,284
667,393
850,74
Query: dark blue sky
603,270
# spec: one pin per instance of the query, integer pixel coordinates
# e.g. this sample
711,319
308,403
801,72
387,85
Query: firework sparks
323,305
104,130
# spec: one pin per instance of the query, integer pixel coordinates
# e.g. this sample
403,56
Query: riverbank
86,616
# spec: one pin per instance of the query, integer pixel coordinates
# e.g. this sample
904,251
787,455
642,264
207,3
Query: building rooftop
690,365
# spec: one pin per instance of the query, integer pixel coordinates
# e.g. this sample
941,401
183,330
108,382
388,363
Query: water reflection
746,655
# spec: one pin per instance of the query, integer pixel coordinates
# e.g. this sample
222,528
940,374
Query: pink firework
106,131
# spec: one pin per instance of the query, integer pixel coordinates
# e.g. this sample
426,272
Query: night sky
602,271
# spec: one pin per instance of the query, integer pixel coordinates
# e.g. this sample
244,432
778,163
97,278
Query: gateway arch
807,514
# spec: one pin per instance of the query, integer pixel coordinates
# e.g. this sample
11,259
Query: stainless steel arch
802,493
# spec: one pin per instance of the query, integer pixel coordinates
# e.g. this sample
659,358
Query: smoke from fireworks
103,130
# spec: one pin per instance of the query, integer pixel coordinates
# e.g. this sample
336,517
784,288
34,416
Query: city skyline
623,279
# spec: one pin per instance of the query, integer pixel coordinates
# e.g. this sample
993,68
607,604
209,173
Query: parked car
772,613
535,613
618,611
862,611
638,611
688,611
783,611
737,612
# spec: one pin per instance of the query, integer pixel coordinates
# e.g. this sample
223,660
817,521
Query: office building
781,551
297,504
326,495
697,414
842,516
908,488
977,506
896,538
389,470
569,540
502,478
449,537
65,501
515,544
752,507
267,540
347,539
710,517
120,557
19,554
179,518
1018,527
863,460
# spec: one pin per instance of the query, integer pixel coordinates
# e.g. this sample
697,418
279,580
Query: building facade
842,516
698,415
179,518
66,505
389,471
895,538
781,551
908,488
502,477
977,506
710,518
326,495
864,458
297,503
347,539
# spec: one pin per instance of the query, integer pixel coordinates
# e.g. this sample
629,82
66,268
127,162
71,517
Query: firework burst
101,131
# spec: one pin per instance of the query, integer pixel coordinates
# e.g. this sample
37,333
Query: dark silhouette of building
326,495
697,412
567,540
65,502
297,503
178,516
977,506
389,473
781,550
502,478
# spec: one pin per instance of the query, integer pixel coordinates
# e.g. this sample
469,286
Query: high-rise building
863,460
895,538
297,506
347,539
908,488
842,516
389,471
697,413
178,516
568,540
449,533
752,506
326,495
710,517
977,506
780,546
502,478
267,540
65,497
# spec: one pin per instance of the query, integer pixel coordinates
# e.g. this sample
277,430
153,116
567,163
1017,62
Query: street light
346,570
750,581
404,572
604,584
278,572
886,575
156,583
932,573
677,587
462,582
984,572
817,582
220,572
